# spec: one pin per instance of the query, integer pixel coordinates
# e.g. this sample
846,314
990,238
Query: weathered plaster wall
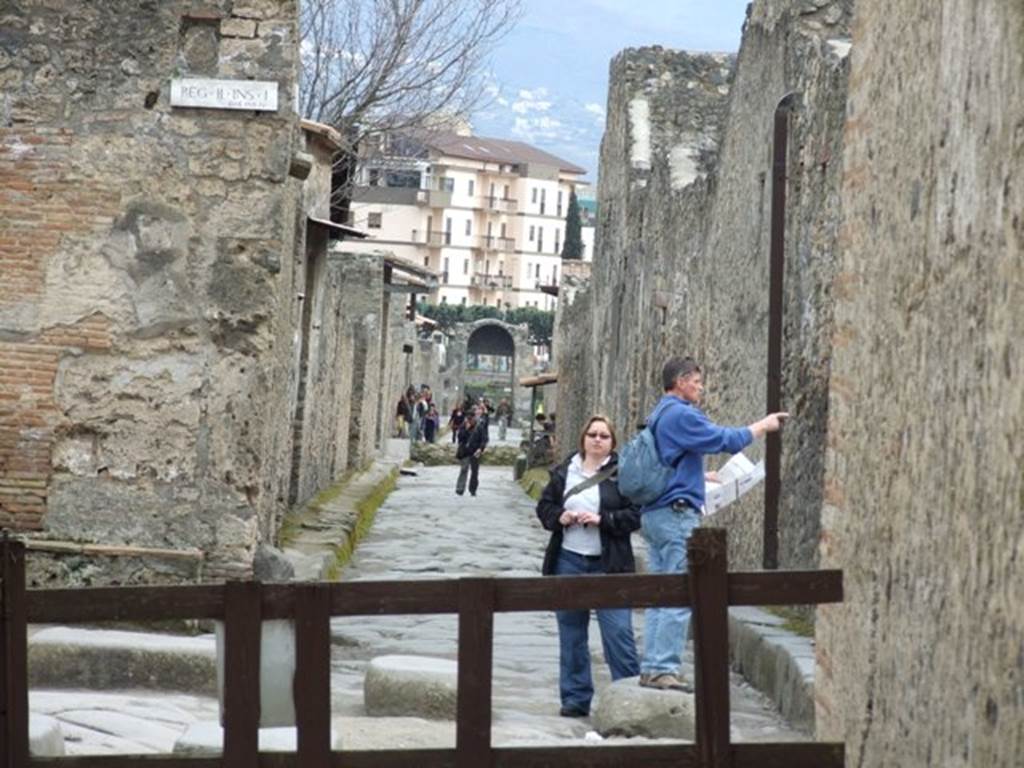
147,312
362,313
681,264
922,665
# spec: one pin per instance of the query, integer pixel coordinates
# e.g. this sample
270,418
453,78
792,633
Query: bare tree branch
374,66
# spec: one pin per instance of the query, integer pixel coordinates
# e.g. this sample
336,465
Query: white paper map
736,478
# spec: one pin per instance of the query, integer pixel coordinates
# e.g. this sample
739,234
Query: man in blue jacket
684,435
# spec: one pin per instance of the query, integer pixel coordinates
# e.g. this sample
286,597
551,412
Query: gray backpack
643,476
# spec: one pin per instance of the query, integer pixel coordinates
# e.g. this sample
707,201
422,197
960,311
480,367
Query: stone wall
363,314
922,664
171,341
681,259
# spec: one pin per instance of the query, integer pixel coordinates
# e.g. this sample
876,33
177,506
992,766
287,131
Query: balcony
434,238
501,204
491,243
434,198
490,282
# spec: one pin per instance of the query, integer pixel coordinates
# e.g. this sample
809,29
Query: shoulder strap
651,426
590,482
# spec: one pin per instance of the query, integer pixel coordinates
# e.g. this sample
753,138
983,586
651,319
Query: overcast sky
551,72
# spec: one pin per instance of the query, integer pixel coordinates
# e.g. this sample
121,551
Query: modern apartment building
487,214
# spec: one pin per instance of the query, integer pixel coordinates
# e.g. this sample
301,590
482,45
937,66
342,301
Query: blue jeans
574,681
666,531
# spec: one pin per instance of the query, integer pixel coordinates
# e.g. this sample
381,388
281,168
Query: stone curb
776,661
329,525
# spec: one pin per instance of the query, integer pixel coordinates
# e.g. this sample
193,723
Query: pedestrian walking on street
683,435
472,441
455,420
590,524
504,415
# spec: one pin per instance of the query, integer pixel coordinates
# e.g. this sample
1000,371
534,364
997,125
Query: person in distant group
590,524
401,416
472,442
431,422
458,415
504,415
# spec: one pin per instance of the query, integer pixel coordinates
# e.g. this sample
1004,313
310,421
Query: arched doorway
485,359
490,363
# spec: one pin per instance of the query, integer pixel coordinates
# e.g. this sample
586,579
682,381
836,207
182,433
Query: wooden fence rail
709,589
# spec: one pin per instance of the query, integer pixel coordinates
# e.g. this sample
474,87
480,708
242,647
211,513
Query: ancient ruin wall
146,310
682,243
922,664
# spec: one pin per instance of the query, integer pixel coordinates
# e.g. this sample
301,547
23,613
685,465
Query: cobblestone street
425,531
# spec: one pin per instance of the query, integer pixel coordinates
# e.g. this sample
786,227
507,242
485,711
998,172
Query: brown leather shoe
666,681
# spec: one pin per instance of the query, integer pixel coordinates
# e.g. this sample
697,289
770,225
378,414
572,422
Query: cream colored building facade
487,214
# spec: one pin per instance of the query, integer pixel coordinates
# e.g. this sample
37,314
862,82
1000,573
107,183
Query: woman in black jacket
590,531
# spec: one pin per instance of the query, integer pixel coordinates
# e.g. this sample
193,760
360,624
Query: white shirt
583,540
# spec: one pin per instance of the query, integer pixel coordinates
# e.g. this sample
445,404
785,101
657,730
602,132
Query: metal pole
773,448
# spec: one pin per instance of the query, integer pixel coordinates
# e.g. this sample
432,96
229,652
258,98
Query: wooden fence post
14,656
242,638
476,651
709,588
311,688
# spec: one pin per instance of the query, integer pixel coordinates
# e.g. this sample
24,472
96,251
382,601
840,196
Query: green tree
572,248
541,322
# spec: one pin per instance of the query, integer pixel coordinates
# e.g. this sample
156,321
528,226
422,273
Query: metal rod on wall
777,263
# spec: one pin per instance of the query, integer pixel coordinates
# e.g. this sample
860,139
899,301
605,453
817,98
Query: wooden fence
708,588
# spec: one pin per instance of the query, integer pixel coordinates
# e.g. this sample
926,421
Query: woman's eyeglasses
599,436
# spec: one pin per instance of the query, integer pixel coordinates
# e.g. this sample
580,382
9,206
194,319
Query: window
487,266
465,267
373,220
444,299
506,192
469,226
463,302
426,261
543,195
374,177
533,232
501,267
448,230
558,241
537,275
444,275
503,229
554,275
472,187
533,197
492,189
559,211
447,185
485,301
540,239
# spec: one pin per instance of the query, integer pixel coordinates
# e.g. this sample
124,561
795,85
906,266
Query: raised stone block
72,657
45,737
415,686
626,709
277,671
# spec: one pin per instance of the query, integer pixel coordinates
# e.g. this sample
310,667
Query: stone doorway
487,358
